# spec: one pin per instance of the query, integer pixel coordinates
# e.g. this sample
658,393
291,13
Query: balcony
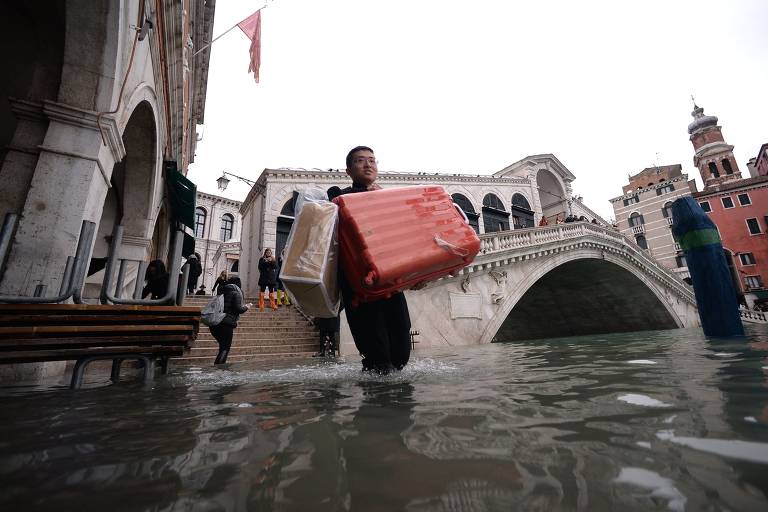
638,230
670,220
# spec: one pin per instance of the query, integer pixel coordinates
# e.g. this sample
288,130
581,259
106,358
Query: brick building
738,207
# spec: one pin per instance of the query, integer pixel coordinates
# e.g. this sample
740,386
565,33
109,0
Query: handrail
496,242
757,316
74,271
9,224
171,293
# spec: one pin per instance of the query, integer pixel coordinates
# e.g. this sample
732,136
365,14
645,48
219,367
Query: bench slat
106,309
64,355
37,343
86,330
16,320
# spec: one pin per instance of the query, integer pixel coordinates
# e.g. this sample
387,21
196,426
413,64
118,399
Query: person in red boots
267,278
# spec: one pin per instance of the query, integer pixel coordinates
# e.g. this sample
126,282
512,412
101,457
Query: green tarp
181,195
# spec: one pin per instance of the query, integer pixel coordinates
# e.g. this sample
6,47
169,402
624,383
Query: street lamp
224,181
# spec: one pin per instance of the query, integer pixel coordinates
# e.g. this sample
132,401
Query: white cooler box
309,270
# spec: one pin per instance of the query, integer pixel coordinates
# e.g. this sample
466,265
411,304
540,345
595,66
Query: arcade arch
495,216
552,195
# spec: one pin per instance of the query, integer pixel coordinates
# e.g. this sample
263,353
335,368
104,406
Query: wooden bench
32,333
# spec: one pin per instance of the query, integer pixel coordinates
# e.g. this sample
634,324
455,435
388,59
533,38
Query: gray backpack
213,312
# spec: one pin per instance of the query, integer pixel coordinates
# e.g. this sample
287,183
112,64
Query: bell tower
713,157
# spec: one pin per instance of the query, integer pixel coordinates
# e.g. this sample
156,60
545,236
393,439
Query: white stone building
95,98
515,197
217,236
643,213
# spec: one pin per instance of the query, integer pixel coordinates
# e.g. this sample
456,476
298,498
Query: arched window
200,215
713,169
636,219
227,223
520,201
466,206
493,201
289,208
235,266
284,222
522,215
640,239
495,217
667,210
727,166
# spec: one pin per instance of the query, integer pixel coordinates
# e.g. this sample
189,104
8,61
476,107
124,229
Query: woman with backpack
233,308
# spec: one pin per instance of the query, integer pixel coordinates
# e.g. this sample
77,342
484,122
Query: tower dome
700,120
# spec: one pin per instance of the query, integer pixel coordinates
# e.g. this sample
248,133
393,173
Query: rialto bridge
564,280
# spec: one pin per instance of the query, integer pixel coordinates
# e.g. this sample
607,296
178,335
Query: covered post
712,284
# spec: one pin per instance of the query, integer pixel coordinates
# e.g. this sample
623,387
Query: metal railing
175,292
74,271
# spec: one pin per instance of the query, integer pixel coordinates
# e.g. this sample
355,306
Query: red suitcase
391,240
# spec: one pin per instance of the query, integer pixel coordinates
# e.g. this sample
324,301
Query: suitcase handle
466,219
448,246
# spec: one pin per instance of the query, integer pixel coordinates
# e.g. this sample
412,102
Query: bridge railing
520,238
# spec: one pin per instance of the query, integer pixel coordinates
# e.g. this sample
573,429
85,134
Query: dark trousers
381,331
223,334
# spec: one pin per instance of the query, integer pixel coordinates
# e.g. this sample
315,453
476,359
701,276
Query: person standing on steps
281,300
220,282
233,308
267,278
195,269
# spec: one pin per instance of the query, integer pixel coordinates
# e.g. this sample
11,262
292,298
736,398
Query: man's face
363,169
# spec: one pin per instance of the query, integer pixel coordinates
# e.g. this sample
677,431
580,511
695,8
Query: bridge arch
578,293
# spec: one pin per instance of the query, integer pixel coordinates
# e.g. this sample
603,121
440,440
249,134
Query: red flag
251,26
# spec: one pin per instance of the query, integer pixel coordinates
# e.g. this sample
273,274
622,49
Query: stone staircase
261,335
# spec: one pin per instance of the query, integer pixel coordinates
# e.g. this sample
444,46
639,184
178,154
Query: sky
471,87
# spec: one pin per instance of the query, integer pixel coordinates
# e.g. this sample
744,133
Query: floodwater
664,420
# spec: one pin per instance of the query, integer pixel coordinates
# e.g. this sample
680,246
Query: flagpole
226,32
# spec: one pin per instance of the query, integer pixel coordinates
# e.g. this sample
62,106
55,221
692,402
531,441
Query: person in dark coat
233,307
156,278
267,278
220,282
282,297
195,269
329,330
380,329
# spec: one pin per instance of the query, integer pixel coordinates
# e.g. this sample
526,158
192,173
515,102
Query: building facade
217,236
514,198
738,207
643,213
97,98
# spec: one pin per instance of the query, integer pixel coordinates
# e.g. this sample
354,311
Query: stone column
22,154
69,184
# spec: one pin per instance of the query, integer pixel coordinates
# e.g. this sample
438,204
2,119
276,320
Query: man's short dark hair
235,281
355,150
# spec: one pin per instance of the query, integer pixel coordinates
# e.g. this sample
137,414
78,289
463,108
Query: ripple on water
658,486
338,371
642,400
729,448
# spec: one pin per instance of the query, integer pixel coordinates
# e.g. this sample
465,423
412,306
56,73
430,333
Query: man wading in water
380,328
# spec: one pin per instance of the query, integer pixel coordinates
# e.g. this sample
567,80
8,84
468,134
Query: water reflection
634,421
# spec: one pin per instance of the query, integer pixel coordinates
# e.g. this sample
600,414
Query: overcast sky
473,86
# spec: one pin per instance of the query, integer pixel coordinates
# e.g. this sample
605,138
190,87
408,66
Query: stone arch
495,215
667,319
553,197
465,203
522,213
